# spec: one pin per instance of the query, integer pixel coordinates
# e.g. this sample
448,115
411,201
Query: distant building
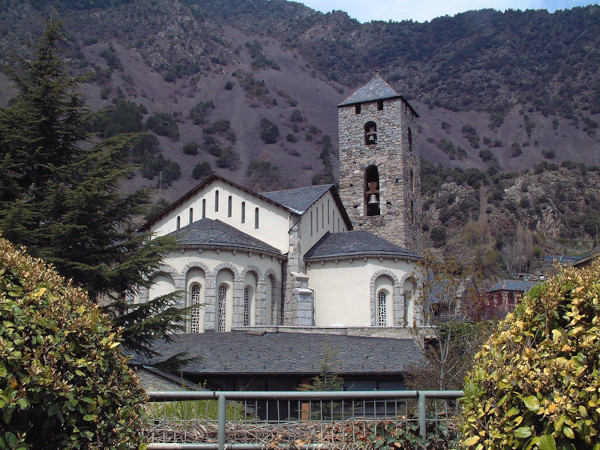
503,297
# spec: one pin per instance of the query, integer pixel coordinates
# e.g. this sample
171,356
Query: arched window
370,133
410,140
195,304
246,307
256,218
222,308
217,201
229,206
382,309
178,222
371,196
191,215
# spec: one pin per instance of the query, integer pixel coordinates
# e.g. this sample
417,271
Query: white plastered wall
273,220
344,290
320,218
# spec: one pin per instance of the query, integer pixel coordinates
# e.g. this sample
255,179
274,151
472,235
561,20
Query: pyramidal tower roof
376,89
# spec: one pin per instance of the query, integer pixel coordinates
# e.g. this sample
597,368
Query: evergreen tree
59,196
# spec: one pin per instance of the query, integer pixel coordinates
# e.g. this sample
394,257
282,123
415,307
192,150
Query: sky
425,10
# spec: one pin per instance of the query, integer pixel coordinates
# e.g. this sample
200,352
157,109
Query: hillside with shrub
248,89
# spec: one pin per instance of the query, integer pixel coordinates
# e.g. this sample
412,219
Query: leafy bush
154,165
64,382
201,170
212,147
537,380
228,159
144,145
220,126
163,124
190,148
121,117
111,58
269,132
199,113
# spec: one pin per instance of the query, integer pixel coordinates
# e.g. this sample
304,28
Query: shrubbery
201,170
163,124
537,380
269,132
63,380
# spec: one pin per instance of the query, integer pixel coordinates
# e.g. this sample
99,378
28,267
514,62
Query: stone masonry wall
398,166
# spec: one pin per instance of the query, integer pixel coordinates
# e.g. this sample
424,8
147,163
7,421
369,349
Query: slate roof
355,243
239,352
376,89
209,233
513,285
299,199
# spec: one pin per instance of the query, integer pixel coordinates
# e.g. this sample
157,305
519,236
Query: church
311,256
311,260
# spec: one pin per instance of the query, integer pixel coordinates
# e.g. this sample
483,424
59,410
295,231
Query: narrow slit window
246,307
178,222
216,201
222,309
256,218
229,206
381,309
203,208
380,105
243,212
357,108
191,215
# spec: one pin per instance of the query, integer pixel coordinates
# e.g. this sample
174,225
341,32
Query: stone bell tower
380,173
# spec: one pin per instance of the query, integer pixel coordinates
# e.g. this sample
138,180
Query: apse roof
254,353
355,244
209,233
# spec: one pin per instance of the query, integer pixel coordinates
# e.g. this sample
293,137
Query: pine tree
59,197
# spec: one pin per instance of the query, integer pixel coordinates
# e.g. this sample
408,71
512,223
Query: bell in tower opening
372,191
380,169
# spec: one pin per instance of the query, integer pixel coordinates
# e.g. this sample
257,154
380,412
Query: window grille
381,309
246,307
195,303
222,309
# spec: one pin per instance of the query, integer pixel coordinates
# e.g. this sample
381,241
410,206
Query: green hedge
64,382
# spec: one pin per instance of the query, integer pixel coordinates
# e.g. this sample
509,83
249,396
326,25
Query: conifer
59,197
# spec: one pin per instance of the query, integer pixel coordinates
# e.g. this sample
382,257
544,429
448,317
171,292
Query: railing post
423,415
222,420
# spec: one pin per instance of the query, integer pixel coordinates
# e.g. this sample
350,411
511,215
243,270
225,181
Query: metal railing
332,419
